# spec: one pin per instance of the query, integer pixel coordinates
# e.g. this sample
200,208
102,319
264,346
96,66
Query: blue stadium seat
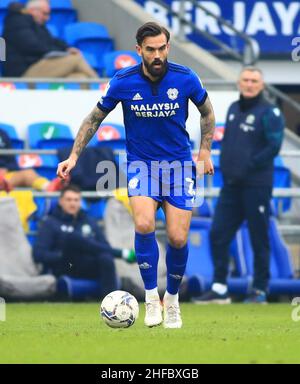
200,261
110,135
282,274
53,30
91,38
114,61
98,86
45,165
218,136
93,62
49,135
58,86
96,209
78,288
62,14
241,276
12,86
17,143
282,179
204,210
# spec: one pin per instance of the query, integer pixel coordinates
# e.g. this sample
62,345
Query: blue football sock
176,264
147,255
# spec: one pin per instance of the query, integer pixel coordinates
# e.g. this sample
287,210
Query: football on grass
119,309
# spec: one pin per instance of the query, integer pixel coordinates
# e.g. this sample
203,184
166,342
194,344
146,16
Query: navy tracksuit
7,162
253,138
75,246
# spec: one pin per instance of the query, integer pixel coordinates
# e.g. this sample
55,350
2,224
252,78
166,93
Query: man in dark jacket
31,51
71,243
253,137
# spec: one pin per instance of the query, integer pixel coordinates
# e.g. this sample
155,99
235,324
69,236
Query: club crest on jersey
173,93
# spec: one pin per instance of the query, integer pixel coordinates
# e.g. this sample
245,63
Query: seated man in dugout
33,52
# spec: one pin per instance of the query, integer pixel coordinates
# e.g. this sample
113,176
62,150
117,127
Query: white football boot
153,315
172,316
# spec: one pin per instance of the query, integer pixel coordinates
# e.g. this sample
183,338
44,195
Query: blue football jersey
155,113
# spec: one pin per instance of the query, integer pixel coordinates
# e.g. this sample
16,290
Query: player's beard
156,71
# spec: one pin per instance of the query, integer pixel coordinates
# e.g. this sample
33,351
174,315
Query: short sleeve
197,92
111,96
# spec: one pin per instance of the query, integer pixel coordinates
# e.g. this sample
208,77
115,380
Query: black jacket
7,162
64,239
26,43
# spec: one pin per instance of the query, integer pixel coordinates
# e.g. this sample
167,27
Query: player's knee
178,240
144,225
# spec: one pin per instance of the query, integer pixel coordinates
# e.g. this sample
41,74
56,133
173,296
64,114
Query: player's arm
208,123
87,130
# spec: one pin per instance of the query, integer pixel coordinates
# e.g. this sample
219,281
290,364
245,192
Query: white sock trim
171,299
151,294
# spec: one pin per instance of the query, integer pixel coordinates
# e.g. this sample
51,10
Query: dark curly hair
151,29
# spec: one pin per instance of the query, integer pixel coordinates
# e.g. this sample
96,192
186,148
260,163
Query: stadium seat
282,279
110,135
114,61
45,165
49,135
10,86
91,38
218,136
62,14
53,30
200,261
93,62
282,179
204,210
97,208
78,288
241,271
17,143
98,86
58,86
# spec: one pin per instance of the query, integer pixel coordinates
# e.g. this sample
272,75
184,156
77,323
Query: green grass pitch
74,333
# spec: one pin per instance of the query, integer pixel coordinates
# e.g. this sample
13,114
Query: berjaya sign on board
273,24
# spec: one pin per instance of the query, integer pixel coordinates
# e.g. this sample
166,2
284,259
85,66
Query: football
119,309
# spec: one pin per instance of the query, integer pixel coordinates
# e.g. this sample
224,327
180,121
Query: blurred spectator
253,137
33,52
71,243
12,177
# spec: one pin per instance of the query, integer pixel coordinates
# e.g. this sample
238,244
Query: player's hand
205,158
64,168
